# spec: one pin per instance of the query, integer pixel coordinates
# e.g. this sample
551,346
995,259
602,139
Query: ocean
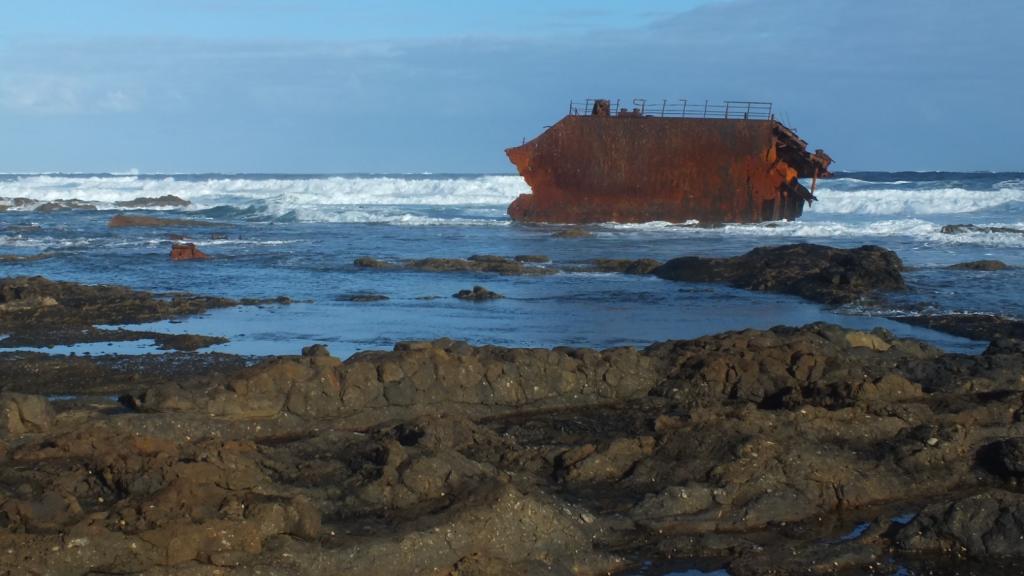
297,235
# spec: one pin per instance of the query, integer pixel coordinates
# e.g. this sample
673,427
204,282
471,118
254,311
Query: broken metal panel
723,165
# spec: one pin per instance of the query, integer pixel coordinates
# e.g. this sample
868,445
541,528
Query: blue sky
444,86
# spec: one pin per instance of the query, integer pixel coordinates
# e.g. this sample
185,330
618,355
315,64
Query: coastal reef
785,451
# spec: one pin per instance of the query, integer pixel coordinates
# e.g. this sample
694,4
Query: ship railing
681,108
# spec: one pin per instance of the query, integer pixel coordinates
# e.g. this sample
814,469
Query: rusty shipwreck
672,161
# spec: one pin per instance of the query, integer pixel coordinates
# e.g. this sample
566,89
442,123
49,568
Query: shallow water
298,235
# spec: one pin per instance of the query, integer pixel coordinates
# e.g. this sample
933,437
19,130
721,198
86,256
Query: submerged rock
985,265
532,258
368,262
973,326
361,297
573,233
519,266
962,228
639,267
127,221
64,205
477,294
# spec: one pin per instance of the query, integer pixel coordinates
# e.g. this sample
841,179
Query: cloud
886,85
41,94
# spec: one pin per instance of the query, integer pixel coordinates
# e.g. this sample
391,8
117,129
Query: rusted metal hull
639,169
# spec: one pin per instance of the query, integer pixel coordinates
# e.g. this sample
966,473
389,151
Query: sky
321,86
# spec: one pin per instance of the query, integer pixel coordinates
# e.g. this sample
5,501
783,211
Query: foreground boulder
783,451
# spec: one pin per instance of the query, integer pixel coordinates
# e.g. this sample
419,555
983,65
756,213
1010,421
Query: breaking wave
281,194
921,202
996,235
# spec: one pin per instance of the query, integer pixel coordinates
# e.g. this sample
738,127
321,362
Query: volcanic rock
477,294
984,265
64,205
476,263
639,267
573,233
961,228
152,202
985,525
361,297
532,258
21,413
127,221
368,262
818,273
28,301
973,326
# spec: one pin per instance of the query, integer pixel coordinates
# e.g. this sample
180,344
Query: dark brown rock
791,450
1011,455
64,205
573,233
24,413
187,342
532,258
639,267
985,525
477,294
128,221
973,326
818,273
151,202
980,265
962,228
361,297
368,262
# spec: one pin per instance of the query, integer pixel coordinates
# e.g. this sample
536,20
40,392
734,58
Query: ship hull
640,169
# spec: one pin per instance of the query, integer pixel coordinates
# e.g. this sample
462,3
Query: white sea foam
283,194
888,201
918,229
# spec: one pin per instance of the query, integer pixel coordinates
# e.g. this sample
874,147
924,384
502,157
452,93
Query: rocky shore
789,451
809,450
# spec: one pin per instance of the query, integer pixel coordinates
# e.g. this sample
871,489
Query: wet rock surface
974,326
573,233
517,266
786,451
36,311
361,297
818,273
130,221
980,265
154,202
963,228
639,267
477,294
187,251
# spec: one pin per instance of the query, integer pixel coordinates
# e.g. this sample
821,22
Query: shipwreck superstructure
673,161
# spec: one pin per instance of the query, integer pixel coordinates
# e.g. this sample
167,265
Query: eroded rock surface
783,451
517,266
815,272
